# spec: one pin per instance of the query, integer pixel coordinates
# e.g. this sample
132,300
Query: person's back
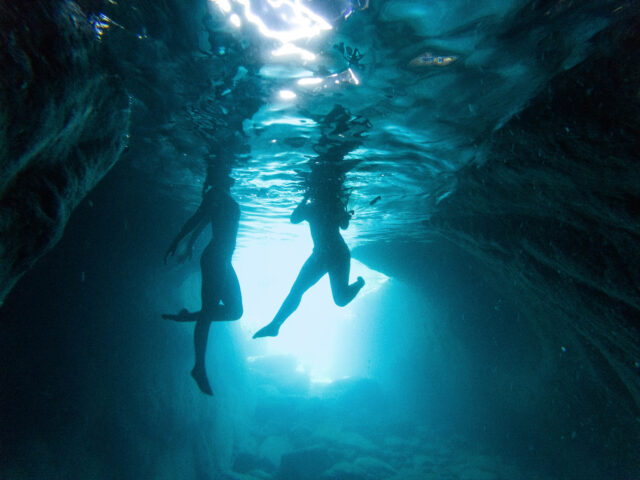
223,212
325,221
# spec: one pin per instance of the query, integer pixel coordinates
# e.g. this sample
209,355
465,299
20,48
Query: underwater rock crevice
552,206
64,125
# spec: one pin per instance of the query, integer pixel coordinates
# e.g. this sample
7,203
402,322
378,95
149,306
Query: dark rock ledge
555,206
63,125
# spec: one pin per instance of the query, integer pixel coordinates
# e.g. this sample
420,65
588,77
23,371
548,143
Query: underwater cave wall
553,207
92,362
83,80
463,358
63,124
95,383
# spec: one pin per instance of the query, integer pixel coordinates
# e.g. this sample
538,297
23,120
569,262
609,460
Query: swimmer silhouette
326,214
221,297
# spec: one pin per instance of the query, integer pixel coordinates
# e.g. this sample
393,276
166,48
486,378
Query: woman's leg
339,269
213,280
226,288
231,297
312,271
200,338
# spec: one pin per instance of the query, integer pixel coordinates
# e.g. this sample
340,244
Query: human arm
191,242
345,218
300,212
195,224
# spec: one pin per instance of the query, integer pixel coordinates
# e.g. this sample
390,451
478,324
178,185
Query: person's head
325,184
218,175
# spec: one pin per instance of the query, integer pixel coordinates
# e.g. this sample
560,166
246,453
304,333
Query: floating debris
351,55
101,23
317,84
428,59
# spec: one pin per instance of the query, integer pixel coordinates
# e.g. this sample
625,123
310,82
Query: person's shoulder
307,209
209,200
209,195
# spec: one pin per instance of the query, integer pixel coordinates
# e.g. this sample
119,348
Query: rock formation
63,124
555,205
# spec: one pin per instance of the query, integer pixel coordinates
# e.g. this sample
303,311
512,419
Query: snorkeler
326,214
221,296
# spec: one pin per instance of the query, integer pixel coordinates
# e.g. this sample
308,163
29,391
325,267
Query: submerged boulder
63,125
272,449
246,463
362,468
345,471
306,464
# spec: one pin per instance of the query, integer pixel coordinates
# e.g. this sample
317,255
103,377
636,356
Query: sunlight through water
285,21
314,333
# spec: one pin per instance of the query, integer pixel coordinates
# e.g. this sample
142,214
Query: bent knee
340,300
236,313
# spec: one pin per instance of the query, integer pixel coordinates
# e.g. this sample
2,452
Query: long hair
325,185
218,175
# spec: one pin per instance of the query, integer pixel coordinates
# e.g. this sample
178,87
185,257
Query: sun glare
285,21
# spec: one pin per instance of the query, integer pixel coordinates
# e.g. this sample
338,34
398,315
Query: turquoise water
491,149
429,119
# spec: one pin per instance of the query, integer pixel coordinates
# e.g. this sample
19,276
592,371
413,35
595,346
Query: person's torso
324,223
223,213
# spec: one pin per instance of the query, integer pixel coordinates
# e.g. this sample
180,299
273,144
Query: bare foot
270,330
200,376
182,316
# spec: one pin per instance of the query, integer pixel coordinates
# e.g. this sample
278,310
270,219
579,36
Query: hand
186,255
344,223
171,252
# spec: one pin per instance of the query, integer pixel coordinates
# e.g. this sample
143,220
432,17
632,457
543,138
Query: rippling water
428,119
434,78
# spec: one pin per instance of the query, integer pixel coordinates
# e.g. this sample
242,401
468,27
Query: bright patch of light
353,77
310,81
235,20
322,380
287,94
224,5
291,49
301,22
288,120
283,72
319,334
285,21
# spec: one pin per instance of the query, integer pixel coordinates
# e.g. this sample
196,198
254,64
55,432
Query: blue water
440,369
429,120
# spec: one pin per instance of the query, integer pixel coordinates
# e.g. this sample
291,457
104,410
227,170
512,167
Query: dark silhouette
221,296
326,213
